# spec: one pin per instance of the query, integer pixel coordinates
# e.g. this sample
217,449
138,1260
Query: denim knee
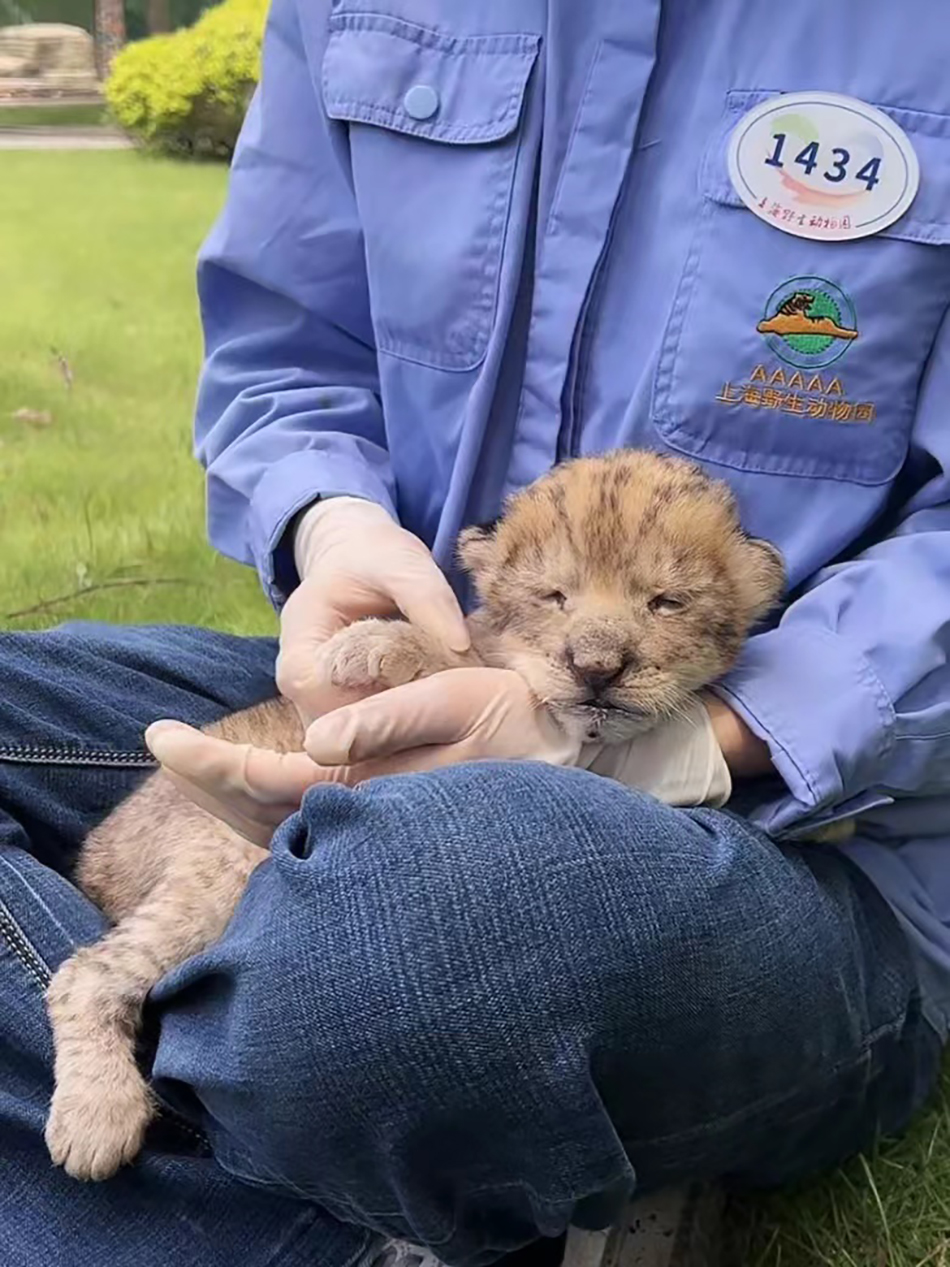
488,987
433,953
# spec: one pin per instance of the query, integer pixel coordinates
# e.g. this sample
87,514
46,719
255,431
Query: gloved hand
679,761
453,717
478,714
251,789
355,561
458,716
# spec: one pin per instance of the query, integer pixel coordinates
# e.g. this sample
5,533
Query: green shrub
186,93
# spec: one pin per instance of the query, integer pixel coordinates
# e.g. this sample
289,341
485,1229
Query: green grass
891,1210
53,116
97,262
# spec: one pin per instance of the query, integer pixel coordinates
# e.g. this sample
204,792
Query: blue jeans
463,1008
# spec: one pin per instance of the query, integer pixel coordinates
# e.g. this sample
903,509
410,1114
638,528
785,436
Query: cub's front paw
378,654
97,1123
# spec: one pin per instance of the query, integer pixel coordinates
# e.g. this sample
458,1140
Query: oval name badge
822,166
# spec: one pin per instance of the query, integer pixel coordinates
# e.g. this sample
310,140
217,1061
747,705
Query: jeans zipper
36,966
54,754
19,945
22,948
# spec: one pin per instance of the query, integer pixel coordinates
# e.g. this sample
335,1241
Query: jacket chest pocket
797,357
434,137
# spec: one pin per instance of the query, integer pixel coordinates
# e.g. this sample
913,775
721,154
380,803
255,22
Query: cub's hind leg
102,1105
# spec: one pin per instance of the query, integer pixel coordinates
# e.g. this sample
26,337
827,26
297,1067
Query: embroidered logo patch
792,392
808,322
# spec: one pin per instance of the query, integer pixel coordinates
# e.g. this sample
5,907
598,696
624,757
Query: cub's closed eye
554,596
667,604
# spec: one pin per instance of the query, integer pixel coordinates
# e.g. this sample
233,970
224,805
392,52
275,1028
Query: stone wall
47,59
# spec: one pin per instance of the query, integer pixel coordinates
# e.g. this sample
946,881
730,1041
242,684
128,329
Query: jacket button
421,101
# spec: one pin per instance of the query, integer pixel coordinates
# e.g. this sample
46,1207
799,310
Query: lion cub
617,586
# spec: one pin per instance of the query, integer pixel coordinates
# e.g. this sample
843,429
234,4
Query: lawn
53,116
102,500
99,336
892,1210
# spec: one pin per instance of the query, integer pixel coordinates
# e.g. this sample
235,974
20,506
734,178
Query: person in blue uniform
471,1005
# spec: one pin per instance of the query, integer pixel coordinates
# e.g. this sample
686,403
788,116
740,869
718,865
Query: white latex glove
458,716
355,561
251,789
679,761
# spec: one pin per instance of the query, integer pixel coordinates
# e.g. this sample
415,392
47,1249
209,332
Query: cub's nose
596,674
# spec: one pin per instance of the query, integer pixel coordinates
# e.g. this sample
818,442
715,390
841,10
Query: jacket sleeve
288,406
851,690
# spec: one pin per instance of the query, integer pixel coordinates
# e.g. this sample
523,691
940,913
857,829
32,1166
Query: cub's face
618,586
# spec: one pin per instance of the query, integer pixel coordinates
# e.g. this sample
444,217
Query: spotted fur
660,585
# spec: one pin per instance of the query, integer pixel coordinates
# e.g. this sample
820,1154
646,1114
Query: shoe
390,1253
679,1227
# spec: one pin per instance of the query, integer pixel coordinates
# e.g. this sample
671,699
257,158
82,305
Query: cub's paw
379,654
97,1123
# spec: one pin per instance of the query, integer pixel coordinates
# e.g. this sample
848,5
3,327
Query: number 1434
808,158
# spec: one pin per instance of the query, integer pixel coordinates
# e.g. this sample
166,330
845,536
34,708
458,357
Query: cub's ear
478,547
762,576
